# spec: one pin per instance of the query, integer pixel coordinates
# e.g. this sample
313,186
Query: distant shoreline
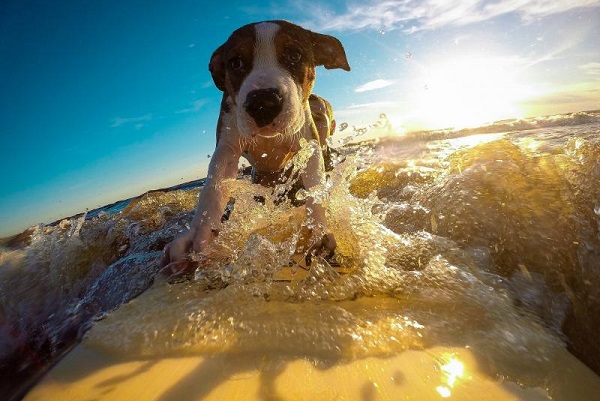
124,202
23,238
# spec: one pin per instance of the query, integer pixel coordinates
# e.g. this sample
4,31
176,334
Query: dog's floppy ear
217,68
329,52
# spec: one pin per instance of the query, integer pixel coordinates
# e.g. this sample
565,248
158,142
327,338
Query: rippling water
479,239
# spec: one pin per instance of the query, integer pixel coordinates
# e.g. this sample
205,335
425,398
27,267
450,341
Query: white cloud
417,15
591,69
138,121
196,106
373,85
373,105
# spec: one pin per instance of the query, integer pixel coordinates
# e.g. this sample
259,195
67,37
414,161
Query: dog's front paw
193,240
325,246
319,244
181,270
187,252
178,249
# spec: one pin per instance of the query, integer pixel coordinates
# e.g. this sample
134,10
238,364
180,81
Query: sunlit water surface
485,241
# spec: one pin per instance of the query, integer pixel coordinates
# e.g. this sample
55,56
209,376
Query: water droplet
408,54
301,194
343,126
381,32
263,155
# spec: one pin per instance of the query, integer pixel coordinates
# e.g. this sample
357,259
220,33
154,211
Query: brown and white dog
266,71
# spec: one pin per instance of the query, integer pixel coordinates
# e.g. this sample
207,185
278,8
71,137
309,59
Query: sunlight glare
468,92
444,391
452,370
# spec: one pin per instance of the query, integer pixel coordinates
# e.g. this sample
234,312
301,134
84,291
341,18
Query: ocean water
484,238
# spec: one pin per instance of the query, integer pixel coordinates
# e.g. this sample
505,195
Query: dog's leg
312,176
214,195
211,203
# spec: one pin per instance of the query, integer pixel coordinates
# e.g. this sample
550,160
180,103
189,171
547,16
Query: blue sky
103,100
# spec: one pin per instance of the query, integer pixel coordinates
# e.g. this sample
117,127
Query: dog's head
268,71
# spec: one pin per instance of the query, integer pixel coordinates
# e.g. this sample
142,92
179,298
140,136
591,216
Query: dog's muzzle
263,105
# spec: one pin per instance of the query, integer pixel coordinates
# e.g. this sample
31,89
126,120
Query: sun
467,92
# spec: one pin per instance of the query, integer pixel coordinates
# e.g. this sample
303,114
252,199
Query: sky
104,100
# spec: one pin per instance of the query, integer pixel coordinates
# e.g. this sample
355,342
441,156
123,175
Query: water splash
490,244
393,292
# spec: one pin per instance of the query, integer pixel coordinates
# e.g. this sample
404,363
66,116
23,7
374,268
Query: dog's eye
236,63
294,56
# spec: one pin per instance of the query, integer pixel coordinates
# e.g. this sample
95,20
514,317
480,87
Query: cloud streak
419,15
374,85
196,106
138,121
591,69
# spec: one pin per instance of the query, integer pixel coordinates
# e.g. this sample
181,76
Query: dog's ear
329,52
217,68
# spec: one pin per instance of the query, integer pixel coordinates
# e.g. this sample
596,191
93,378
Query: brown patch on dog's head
298,50
217,68
233,60
329,52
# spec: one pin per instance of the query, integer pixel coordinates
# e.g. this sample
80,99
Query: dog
266,71
322,115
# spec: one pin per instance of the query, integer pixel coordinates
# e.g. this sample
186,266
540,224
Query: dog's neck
273,153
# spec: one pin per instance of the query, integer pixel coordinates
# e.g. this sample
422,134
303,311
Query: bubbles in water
301,195
384,292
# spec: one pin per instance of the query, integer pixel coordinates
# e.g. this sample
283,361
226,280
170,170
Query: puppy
266,71
322,115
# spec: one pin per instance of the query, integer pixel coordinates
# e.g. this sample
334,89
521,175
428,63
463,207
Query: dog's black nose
264,105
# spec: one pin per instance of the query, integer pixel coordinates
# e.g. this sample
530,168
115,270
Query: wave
470,242
382,128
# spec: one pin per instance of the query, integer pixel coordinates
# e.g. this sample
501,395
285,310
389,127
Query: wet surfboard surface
90,374
152,349
437,259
